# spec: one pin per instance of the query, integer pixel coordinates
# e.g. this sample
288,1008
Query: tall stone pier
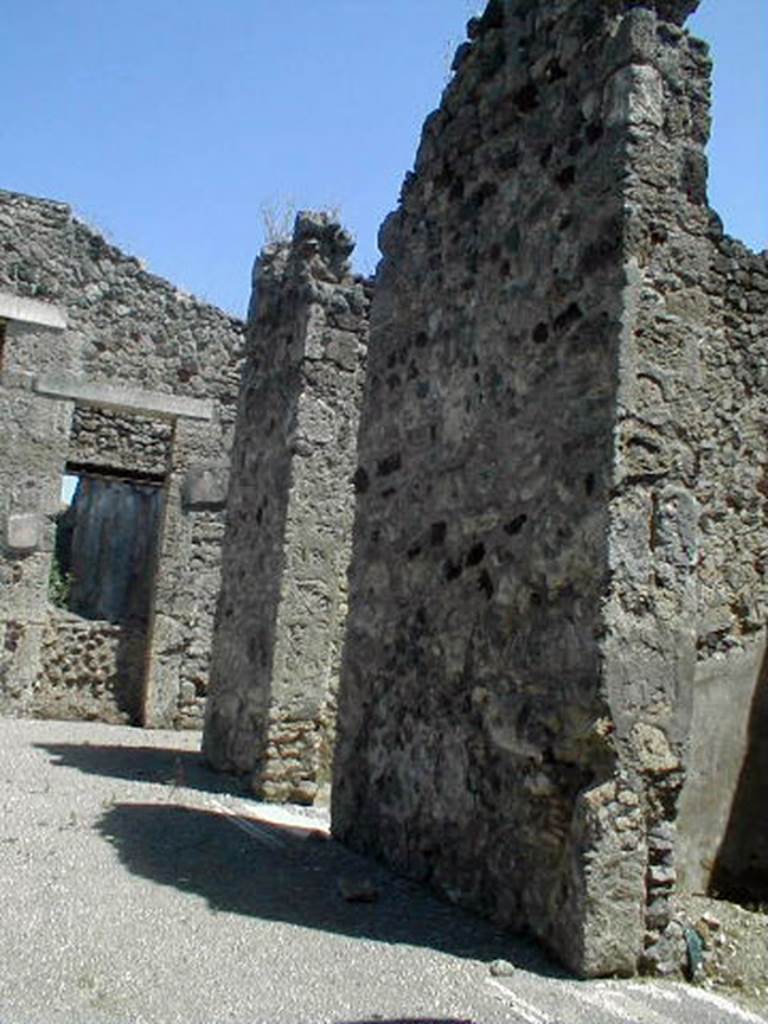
555,312
272,706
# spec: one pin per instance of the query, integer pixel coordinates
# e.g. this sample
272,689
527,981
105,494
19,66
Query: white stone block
23,532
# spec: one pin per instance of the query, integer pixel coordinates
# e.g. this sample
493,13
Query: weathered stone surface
281,613
555,348
111,371
102,438
558,593
90,670
30,311
205,487
23,532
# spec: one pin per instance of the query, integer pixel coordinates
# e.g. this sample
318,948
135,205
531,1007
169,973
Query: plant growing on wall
59,584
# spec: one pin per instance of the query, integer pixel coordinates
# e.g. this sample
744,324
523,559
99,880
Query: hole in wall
69,482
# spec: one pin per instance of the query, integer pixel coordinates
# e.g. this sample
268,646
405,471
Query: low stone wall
91,670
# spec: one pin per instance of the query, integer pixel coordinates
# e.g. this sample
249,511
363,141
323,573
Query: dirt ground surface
137,887
735,960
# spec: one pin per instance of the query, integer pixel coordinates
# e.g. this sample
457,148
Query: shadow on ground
243,865
145,764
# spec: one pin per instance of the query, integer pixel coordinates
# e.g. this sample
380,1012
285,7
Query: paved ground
138,888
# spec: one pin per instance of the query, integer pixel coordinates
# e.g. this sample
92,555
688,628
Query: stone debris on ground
734,947
501,968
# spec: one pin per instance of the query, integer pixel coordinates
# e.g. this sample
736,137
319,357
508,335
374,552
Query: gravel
735,942
137,887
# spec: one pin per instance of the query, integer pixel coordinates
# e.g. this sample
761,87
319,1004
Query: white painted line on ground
736,1012
279,814
524,1009
270,814
261,832
618,1003
665,992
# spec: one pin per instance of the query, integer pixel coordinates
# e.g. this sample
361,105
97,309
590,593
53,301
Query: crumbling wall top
319,249
496,11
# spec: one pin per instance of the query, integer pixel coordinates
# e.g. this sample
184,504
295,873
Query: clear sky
170,125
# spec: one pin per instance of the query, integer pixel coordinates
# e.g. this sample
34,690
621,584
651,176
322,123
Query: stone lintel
31,311
122,399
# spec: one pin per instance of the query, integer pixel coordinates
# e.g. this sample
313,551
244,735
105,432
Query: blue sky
170,125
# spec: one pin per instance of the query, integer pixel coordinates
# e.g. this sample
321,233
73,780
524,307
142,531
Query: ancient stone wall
650,608
33,446
108,439
543,417
723,830
124,323
90,670
279,623
108,368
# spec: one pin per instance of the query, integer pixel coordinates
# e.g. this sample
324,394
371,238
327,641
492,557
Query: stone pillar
33,447
187,577
516,687
271,708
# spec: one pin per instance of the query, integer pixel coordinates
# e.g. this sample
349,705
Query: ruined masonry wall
530,574
723,830
473,714
692,433
650,611
107,439
89,670
733,475
124,323
283,604
133,331
33,447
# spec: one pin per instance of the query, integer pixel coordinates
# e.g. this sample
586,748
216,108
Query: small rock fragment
695,953
712,922
501,968
358,890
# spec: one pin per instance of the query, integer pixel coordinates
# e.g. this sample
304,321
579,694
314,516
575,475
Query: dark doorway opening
102,584
106,545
